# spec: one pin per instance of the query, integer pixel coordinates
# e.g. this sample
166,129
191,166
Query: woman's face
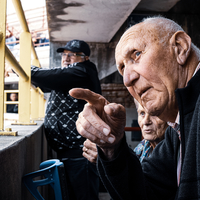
152,127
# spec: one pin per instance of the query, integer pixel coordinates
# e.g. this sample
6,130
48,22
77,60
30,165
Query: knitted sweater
62,109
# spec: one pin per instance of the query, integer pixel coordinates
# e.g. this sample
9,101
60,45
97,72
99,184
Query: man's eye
142,113
70,54
137,53
121,69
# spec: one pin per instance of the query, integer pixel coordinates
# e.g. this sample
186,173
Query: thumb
115,110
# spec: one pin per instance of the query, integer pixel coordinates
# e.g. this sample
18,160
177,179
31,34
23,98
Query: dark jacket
156,179
12,108
62,109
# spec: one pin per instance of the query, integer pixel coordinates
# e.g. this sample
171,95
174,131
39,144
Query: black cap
76,46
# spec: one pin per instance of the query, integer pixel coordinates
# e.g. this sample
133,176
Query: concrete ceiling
95,20
156,5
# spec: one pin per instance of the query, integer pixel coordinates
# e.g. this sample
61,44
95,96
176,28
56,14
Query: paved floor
7,123
104,196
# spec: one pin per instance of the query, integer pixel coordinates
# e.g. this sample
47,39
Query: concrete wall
20,155
190,24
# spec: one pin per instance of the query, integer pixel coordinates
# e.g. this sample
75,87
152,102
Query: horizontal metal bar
22,20
34,88
19,11
14,63
1,36
8,133
11,91
40,91
132,129
11,102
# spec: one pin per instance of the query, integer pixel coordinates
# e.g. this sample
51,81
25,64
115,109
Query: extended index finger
92,98
86,94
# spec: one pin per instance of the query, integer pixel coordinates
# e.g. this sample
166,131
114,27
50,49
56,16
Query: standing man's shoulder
87,63
85,66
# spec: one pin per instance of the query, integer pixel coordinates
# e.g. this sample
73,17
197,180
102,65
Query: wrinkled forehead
140,108
139,35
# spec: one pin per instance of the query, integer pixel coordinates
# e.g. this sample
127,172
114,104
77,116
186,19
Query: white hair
136,103
166,28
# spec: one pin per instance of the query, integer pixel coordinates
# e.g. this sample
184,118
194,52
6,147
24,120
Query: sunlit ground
10,118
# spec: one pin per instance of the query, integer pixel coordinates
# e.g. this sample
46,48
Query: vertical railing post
44,103
24,86
5,99
34,104
41,104
3,4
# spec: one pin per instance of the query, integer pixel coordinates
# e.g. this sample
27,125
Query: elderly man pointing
160,68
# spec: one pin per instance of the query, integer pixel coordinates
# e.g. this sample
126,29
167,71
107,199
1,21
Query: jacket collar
187,97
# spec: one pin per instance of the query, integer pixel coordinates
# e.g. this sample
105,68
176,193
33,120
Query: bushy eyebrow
119,66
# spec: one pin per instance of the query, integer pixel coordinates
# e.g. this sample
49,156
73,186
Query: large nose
129,75
66,58
147,120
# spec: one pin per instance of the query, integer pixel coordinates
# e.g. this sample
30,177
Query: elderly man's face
149,70
70,57
152,127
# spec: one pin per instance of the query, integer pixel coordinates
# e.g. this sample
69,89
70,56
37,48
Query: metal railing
31,100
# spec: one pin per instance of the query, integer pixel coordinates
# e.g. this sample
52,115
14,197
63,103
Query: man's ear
86,57
181,44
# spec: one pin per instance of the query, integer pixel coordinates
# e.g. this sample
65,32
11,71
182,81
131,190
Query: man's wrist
111,153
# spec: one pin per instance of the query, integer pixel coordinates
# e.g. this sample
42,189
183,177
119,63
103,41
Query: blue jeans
82,179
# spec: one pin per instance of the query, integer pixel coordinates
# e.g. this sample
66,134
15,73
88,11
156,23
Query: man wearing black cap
62,112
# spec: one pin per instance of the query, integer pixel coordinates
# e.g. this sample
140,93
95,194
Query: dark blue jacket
156,179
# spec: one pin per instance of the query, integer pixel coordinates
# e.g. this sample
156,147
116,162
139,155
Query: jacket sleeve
125,178
59,78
